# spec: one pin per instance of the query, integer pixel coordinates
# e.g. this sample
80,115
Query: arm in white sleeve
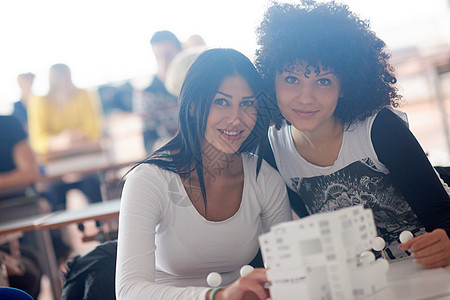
142,206
276,202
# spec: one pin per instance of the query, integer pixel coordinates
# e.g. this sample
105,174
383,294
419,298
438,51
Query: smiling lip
231,135
304,112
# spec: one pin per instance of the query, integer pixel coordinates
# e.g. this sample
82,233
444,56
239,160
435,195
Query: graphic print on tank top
360,183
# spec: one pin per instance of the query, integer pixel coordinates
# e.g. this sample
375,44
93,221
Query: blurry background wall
107,43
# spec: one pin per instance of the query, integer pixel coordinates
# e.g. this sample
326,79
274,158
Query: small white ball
214,279
405,236
384,263
378,243
366,257
245,270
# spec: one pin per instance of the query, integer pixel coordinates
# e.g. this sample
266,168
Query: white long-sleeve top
166,249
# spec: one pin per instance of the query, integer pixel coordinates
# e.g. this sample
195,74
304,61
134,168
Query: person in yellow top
67,118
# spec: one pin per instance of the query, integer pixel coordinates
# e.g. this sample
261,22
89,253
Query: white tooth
230,132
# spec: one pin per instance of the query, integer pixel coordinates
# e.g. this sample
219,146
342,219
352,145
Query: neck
219,164
24,98
161,76
62,95
323,135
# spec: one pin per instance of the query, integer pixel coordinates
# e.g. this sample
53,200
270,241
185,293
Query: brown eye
248,103
221,102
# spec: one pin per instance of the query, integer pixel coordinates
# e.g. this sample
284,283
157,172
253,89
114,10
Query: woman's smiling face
232,115
307,97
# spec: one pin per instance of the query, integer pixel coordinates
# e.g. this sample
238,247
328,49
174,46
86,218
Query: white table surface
408,280
94,211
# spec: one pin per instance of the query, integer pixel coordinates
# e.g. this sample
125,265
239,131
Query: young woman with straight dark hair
198,204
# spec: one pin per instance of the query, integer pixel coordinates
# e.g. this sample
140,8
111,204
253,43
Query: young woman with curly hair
337,139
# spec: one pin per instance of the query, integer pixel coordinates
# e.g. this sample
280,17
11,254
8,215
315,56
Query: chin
303,127
228,148
225,146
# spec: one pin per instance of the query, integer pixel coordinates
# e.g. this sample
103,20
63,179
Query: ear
191,110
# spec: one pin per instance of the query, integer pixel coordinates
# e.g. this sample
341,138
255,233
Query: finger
250,296
426,259
406,246
430,264
435,249
437,259
252,289
254,282
250,286
430,244
258,274
424,240
431,240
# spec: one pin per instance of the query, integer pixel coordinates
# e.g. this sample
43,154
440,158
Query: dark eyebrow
226,95
327,73
231,97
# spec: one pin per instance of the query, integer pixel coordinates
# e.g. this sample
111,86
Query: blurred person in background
177,69
157,106
18,168
17,164
25,81
194,40
66,120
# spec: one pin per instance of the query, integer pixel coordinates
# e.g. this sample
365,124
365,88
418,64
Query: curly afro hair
331,36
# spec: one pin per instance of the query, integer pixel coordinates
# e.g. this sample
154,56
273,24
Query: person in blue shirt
18,169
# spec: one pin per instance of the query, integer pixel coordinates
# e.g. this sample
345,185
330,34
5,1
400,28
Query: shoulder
147,181
278,133
381,119
84,92
268,189
392,116
84,95
388,120
10,123
18,105
11,127
149,172
38,103
155,86
279,138
19,111
37,100
146,193
152,179
267,174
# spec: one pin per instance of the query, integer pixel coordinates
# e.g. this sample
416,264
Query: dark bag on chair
444,173
92,276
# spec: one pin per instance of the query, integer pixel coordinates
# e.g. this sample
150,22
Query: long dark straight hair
183,154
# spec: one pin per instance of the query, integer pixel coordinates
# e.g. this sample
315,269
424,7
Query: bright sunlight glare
108,40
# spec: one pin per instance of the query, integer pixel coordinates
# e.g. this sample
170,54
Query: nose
305,95
235,115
